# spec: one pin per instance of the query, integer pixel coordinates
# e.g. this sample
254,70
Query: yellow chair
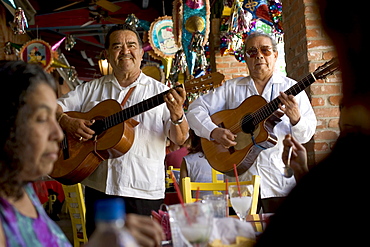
188,187
215,176
169,179
74,199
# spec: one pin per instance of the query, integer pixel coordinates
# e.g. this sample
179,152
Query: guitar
114,132
253,122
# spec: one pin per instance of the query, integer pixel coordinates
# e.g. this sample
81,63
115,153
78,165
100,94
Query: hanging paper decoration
198,55
132,21
72,74
40,52
276,11
259,9
195,28
167,63
161,37
37,51
11,48
240,19
249,16
70,42
20,21
162,41
177,17
178,66
57,44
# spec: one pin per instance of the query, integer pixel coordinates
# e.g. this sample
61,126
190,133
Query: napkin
231,232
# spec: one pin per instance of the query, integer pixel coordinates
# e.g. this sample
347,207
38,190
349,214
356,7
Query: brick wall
306,48
230,67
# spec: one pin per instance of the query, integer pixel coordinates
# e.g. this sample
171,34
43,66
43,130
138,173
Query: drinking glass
195,221
241,203
219,203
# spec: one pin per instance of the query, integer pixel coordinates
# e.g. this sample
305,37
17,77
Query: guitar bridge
65,148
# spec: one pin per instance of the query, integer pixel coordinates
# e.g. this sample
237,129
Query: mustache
125,56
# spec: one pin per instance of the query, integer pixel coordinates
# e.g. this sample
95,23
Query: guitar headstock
326,69
204,83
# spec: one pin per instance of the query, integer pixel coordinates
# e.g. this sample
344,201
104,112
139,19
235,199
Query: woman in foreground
29,136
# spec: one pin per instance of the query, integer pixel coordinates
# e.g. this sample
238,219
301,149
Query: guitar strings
266,110
134,110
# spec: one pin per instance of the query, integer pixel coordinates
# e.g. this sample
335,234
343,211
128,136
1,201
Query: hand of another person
175,99
223,136
298,159
146,231
77,127
290,107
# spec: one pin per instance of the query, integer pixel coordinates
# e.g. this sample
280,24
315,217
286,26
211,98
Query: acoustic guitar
253,122
114,132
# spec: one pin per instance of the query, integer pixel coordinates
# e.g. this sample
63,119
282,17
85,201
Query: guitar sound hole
247,124
98,127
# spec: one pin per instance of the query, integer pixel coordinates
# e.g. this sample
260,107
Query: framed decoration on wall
37,51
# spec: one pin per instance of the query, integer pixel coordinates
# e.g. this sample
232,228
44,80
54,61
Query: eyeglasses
252,52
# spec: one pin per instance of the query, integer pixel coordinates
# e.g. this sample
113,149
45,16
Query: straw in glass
237,180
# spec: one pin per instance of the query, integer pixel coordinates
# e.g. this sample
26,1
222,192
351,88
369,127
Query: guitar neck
134,110
265,111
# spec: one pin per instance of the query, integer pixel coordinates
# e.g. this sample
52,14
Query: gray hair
258,34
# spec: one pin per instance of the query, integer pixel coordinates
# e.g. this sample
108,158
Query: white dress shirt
140,172
269,164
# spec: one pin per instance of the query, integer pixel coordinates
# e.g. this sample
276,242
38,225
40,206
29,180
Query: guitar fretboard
134,110
266,110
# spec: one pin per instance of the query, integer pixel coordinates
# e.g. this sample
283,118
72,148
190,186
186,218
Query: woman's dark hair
195,144
122,27
20,78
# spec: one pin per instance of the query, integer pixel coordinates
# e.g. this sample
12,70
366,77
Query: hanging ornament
161,37
198,54
276,12
40,52
11,48
240,19
59,64
132,21
259,9
72,74
167,62
37,51
56,45
70,42
194,19
177,17
178,66
20,21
